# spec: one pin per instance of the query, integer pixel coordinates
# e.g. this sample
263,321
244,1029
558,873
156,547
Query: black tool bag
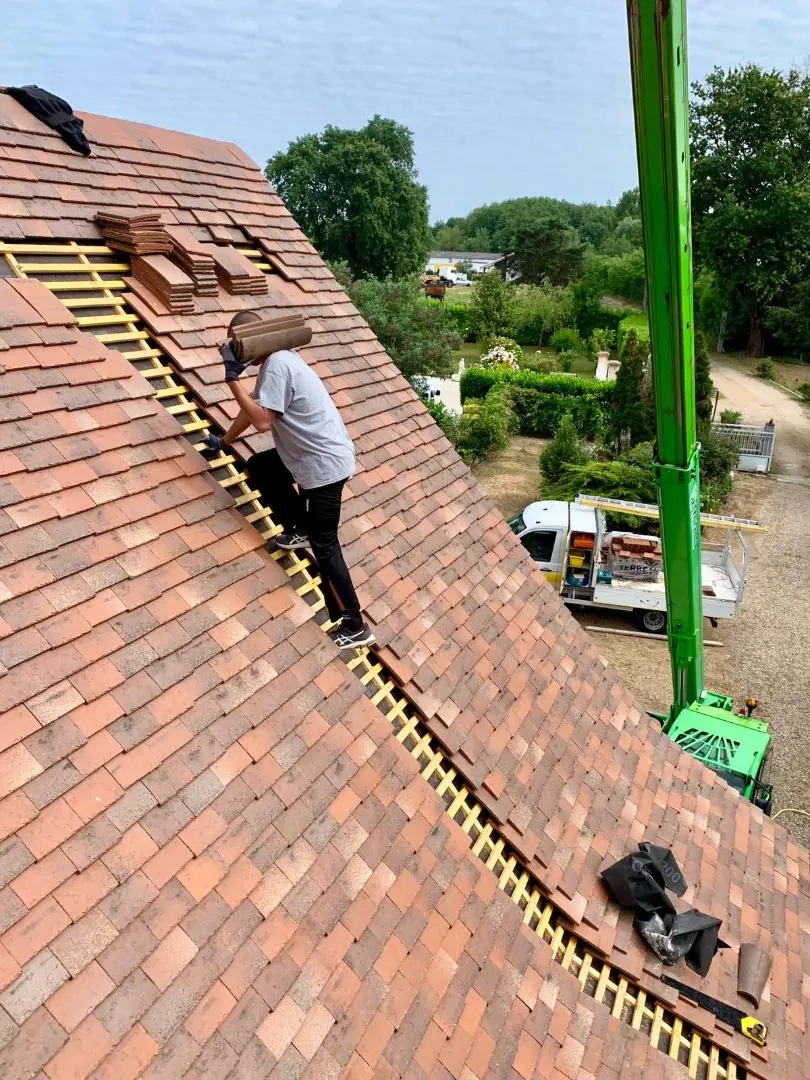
55,112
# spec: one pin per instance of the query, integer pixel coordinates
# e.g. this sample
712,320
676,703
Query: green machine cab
703,723
735,747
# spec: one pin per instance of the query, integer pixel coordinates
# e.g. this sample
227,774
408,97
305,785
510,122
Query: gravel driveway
767,647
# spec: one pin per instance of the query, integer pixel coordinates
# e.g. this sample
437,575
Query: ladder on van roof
648,510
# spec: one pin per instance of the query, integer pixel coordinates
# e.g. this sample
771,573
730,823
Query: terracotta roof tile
217,857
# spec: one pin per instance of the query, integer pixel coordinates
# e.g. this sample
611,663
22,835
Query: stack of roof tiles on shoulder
198,792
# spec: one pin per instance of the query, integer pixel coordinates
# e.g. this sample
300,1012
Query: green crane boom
661,103
703,723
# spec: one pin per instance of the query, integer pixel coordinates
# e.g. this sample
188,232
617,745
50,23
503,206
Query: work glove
214,446
233,368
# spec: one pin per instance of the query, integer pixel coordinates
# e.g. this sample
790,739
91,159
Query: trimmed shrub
540,414
718,459
543,365
602,340
718,456
633,414
566,340
541,401
485,426
636,321
564,449
446,420
704,387
475,382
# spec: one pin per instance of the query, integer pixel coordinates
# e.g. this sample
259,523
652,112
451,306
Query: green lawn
582,365
459,295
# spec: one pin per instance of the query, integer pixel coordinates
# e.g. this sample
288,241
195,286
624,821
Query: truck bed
713,577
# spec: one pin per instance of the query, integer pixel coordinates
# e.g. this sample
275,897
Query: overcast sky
519,97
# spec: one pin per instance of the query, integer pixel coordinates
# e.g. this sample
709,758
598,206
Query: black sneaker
291,541
351,639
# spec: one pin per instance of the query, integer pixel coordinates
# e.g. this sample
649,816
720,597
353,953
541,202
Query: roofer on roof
313,451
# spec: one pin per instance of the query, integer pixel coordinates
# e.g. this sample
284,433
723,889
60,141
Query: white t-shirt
309,434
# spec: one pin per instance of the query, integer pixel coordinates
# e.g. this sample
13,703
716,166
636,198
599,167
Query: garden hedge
541,401
477,382
540,414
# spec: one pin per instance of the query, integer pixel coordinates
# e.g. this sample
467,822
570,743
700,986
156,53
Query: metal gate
754,445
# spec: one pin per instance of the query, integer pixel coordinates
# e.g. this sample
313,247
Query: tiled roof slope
125,634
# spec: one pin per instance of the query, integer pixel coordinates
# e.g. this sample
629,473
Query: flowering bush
502,354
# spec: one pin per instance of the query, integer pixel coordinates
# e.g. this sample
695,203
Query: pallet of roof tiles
236,273
136,232
194,257
167,281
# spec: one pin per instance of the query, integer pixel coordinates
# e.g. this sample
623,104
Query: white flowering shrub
503,354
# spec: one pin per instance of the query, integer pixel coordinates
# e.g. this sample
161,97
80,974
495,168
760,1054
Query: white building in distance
447,260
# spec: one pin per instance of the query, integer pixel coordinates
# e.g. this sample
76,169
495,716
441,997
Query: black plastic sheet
55,112
640,882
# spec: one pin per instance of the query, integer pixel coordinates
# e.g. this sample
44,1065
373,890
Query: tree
549,250
417,334
566,448
625,275
612,479
356,196
789,321
493,311
631,412
751,186
704,387
545,309
629,204
464,266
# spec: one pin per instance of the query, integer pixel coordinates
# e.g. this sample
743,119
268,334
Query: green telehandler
703,723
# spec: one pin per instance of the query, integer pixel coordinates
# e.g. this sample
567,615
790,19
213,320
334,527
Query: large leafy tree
496,226
548,250
356,196
751,187
629,204
493,311
417,334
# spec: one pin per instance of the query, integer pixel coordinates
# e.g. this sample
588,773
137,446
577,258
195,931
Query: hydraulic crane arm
661,104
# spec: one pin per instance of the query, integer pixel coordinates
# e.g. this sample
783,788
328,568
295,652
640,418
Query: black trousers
316,513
